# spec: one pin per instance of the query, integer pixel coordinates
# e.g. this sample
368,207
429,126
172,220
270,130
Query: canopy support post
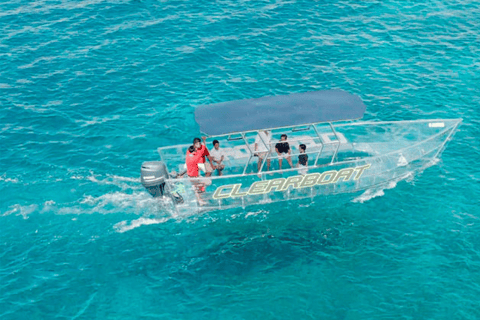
268,152
320,139
338,139
251,153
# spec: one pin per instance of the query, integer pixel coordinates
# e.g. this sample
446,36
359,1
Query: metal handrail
283,127
342,162
337,124
370,158
235,139
301,129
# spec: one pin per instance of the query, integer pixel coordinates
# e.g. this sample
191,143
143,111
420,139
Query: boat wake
137,202
124,226
373,193
20,210
124,194
379,191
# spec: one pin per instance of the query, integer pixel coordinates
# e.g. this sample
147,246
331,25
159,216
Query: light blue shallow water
89,90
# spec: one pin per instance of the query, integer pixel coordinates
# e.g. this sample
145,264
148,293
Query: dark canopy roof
278,111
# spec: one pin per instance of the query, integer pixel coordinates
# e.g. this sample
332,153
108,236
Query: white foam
124,183
96,120
130,179
136,200
140,203
3,178
373,193
124,226
20,210
48,206
255,213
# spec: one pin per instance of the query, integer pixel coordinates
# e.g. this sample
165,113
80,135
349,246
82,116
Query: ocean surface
88,91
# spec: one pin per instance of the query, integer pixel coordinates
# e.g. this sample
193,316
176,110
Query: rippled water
90,89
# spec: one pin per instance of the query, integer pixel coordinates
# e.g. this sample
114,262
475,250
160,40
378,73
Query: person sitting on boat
283,151
202,149
218,155
262,143
302,159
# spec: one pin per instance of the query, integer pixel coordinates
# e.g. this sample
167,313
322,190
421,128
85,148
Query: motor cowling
153,177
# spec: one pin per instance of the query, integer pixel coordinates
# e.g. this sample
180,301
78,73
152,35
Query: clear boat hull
343,158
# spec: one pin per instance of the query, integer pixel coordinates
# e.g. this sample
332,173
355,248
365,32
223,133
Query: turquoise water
90,89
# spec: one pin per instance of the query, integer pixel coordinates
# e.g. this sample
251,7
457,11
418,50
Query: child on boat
302,159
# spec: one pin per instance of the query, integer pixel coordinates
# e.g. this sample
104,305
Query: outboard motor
153,176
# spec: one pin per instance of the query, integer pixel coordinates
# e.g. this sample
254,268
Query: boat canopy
279,111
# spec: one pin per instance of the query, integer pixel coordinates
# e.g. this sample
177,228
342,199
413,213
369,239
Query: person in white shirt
262,144
218,155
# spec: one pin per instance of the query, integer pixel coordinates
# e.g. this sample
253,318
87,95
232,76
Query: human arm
212,162
204,139
206,153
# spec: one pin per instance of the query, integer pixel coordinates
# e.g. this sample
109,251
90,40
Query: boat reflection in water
344,156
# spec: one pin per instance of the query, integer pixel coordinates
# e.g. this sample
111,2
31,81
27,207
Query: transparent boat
344,156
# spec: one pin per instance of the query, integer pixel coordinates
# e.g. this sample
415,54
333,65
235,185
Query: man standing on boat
192,161
262,146
202,149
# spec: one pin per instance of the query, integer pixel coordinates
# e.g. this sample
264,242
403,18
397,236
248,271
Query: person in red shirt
203,165
192,160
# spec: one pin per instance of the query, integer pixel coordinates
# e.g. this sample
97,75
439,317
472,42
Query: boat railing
240,147
378,158
369,149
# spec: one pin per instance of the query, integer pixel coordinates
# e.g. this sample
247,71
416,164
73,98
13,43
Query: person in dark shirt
302,159
283,151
